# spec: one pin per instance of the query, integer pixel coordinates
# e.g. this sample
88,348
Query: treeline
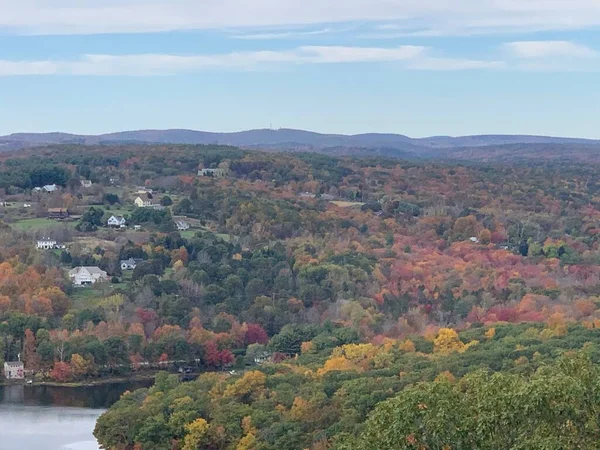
334,396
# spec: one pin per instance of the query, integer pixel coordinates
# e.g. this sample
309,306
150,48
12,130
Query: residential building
86,275
14,370
50,188
130,264
144,201
58,213
216,173
46,244
182,225
117,222
86,183
307,195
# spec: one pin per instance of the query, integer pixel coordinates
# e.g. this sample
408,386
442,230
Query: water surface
54,418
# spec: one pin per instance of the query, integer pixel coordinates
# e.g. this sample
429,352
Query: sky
414,67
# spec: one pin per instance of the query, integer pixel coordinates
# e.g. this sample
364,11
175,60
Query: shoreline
83,383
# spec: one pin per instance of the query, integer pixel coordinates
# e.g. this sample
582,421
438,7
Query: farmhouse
14,370
86,183
117,222
46,244
58,213
83,276
144,201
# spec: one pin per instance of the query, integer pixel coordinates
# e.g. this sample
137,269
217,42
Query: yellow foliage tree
248,442
195,434
408,346
490,333
339,363
252,383
447,341
301,410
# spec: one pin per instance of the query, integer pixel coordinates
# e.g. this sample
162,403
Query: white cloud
435,16
283,35
409,57
546,49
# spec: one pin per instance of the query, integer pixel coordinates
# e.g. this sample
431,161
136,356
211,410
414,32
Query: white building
14,370
129,264
144,201
86,183
50,188
182,225
216,173
117,221
83,276
46,244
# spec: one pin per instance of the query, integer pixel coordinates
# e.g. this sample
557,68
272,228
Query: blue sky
416,67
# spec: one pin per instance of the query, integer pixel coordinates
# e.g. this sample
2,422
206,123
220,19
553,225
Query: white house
82,276
46,244
182,225
117,221
86,183
129,264
144,201
14,370
50,188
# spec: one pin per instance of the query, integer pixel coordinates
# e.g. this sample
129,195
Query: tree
111,199
166,201
61,372
79,365
556,408
195,434
91,220
30,356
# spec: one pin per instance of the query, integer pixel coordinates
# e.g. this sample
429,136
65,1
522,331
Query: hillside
307,292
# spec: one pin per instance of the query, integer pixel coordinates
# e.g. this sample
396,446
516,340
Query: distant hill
484,147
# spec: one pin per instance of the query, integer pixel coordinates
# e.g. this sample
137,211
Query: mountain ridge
285,139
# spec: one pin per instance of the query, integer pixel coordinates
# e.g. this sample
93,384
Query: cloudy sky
417,67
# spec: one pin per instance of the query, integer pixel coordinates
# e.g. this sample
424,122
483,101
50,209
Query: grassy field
343,204
38,224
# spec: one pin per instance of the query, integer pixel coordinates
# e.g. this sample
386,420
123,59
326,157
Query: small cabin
14,370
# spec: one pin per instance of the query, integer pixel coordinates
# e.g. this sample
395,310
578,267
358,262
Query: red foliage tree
61,372
255,334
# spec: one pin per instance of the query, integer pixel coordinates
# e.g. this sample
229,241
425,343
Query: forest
324,302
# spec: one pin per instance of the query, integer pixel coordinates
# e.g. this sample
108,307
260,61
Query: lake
54,418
